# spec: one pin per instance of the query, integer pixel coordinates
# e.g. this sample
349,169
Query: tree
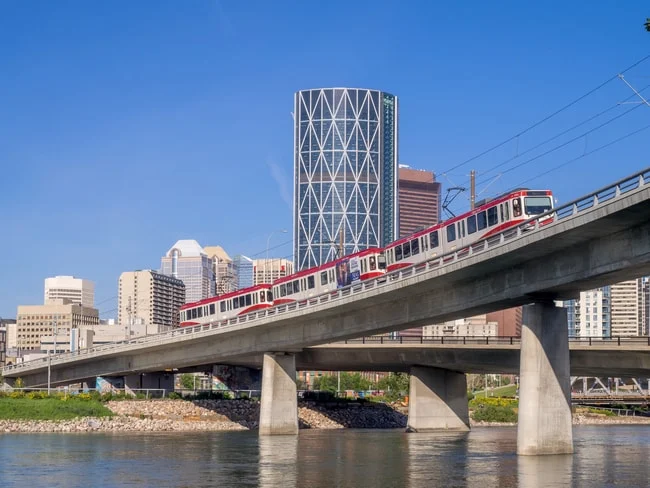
395,382
647,24
187,381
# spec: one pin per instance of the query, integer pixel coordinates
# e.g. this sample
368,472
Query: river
606,456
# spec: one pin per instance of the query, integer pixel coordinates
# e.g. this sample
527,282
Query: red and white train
487,219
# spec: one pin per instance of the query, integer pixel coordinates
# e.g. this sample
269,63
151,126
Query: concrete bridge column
437,400
279,402
544,392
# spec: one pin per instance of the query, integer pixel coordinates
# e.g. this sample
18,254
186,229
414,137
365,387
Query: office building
3,344
36,321
508,321
418,200
269,270
345,170
477,326
222,269
243,269
187,261
149,298
589,315
77,290
627,308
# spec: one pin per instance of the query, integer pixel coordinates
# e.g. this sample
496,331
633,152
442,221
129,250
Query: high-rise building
645,309
187,261
243,268
222,268
269,270
149,298
77,290
476,326
589,315
508,321
627,308
60,314
418,200
345,171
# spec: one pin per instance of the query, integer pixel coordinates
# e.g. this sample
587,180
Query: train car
487,219
226,306
339,273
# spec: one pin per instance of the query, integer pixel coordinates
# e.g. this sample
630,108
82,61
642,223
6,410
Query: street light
268,241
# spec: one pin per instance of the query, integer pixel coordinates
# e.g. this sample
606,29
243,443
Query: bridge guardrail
603,195
492,340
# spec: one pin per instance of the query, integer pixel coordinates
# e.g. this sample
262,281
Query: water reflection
545,471
278,461
485,457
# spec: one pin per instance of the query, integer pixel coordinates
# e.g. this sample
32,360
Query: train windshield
537,205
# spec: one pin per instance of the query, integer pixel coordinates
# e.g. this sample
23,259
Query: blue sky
125,126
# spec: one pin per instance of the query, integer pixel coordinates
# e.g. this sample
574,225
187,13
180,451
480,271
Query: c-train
487,219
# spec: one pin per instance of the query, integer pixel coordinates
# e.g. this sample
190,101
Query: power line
564,144
484,173
611,143
548,117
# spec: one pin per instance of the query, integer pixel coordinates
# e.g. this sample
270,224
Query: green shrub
492,413
174,396
17,394
470,396
36,395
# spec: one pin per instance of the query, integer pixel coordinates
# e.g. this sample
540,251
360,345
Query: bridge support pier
279,402
544,425
437,400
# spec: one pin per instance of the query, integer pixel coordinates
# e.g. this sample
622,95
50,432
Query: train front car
489,218
226,306
342,272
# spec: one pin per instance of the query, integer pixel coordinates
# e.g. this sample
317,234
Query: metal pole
472,189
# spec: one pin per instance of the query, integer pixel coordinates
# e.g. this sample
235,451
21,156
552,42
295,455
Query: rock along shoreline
234,415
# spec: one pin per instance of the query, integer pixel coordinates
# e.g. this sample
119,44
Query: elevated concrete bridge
597,240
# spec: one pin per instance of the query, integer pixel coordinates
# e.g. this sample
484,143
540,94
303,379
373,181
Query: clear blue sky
125,126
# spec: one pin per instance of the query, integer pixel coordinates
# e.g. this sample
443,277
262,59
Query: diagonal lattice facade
345,165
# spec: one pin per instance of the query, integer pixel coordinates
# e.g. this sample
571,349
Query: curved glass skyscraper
345,172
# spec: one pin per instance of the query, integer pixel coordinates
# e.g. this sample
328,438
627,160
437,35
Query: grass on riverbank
50,409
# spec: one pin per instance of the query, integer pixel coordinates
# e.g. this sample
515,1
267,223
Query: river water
606,456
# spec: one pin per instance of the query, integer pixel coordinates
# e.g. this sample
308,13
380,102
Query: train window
364,267
296,286
235,302
222,307
212,309
283,290
323,278
424,242
372,261
471,224
433,239
507,210
262,296
481,220
269,296
398,253
248,299
493,216
461,228
331,272
406,249
415,247
451,233
501,212
311,282
254,296
200,311
516,207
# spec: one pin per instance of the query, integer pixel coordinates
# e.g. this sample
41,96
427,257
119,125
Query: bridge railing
601,196
494,340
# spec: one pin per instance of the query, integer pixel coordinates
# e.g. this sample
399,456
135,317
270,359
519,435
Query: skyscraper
76,290
419,200
243,270
187,261
345,165
149,298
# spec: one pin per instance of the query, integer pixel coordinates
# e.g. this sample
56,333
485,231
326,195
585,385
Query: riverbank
230,415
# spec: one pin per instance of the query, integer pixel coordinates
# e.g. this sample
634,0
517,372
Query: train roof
225,296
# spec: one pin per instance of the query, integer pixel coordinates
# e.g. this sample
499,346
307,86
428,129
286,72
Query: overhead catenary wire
548,117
